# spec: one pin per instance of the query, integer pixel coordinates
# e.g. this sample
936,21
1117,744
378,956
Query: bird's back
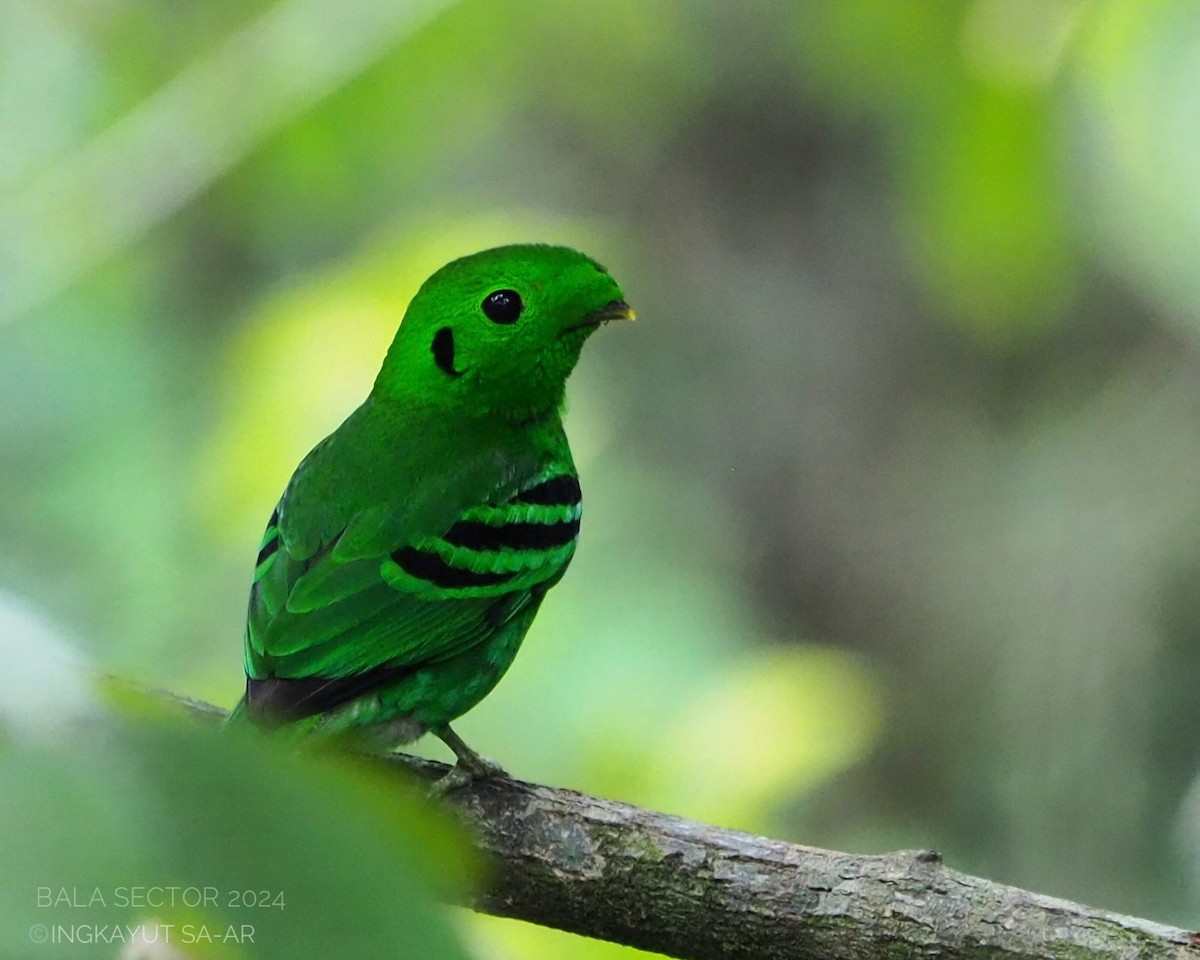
377,583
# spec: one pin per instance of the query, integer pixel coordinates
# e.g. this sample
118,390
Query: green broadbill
413,546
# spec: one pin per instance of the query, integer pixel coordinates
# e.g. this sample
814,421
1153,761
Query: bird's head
497,333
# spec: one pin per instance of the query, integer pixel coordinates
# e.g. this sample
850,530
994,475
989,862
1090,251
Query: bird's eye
503,306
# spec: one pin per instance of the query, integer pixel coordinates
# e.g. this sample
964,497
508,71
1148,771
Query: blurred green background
892,528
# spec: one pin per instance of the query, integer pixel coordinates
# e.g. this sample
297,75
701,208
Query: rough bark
619,872
689,890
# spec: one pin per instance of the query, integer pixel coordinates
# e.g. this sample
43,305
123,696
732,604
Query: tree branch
621,873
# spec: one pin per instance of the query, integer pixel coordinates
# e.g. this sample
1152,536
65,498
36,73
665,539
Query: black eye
503,306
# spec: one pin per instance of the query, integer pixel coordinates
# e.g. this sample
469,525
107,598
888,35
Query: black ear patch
443,351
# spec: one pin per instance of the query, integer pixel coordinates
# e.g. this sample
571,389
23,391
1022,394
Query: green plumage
413,546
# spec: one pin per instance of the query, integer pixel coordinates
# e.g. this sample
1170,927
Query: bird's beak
617,310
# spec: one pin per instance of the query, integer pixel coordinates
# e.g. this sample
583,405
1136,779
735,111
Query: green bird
413,546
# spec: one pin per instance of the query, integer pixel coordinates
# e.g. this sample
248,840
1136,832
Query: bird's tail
238,715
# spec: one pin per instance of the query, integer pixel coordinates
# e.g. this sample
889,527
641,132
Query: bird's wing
386,593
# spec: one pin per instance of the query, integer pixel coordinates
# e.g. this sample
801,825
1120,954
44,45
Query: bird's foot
470,766
458,776
478,766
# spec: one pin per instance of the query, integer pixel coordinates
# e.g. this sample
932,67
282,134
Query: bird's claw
470,766
466,770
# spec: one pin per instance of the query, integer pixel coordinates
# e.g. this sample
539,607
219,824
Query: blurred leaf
1137,100
983,220
779,723
45,687
349,859
495,938
985,223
